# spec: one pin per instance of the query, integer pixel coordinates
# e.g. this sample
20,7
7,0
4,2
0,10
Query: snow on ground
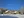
1,14
13,15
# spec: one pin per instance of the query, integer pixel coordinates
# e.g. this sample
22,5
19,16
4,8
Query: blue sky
11,4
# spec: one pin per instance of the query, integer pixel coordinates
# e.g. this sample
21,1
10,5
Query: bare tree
22,10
